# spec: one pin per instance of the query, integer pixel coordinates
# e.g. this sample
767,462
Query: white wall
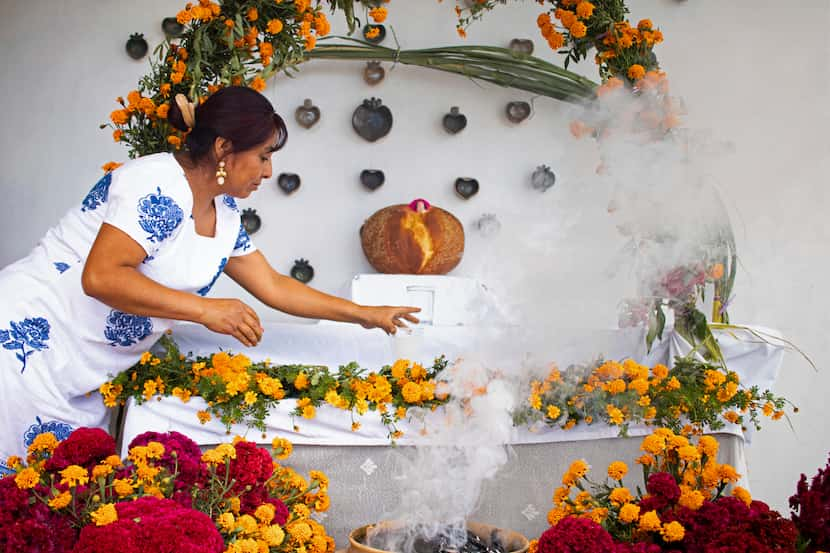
756,75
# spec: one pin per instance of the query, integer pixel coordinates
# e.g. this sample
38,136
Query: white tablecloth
363,469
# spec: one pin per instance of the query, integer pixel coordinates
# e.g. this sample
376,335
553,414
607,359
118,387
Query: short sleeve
243,245
148,205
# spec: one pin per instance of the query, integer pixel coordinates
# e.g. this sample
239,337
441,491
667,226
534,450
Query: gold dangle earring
221,173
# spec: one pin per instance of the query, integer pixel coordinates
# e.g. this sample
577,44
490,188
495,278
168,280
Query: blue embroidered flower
243,241
124,329
98,194
4,470
61,266
30,332
61,431
230,202
203,291
159,215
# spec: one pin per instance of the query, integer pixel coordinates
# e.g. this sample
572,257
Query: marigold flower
673,531
578,29
543,19
650,522
584,10
742,494
27,478
120,116
61,500
568,18
105,514
629,513
203,416
556,40
553,412
556,515
252,14
636,72
617,470
378,14
73,475
355,426
620,496
375,31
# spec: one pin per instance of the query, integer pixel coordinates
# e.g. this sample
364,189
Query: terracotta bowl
514,542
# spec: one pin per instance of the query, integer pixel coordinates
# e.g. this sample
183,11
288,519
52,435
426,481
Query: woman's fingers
411,318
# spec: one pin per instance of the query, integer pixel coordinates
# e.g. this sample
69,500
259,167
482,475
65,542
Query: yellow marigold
555,515
411,392
322,503
203,416
660,371
378,14
43,442
247,524
355,426
727,473
708,446
688,453
299,531
235,505
250,398
568,18
742,494
301,381
273,535
282,448
101,471
672,531
105,514
653,444
258,84
227,522
629,513
61,500
177,142
123,487
615,416
732,417
13,461
399,368
73,475
727,392
27,478
644,24
578,29
673,384
650,522
636,72
690,498
584,10
620,496
617,470
553,412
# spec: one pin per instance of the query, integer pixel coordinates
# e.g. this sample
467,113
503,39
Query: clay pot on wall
413,238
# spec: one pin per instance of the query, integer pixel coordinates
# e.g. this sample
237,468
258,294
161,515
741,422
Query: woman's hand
386,317
232,317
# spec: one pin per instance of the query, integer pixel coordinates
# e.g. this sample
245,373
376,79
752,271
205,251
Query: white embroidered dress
58,344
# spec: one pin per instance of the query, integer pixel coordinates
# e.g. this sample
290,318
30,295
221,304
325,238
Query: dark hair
236,113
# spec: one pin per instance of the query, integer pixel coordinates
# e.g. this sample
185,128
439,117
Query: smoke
558,272
440,479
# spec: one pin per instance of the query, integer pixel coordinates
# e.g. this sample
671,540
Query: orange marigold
584,10
378,14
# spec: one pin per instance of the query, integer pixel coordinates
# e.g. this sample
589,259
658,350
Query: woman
142,250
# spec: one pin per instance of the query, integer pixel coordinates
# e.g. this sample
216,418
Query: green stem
499,66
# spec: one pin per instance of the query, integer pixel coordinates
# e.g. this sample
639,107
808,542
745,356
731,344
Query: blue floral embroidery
159,215
124,329
30,332
98,194
5,471
61,266
203,291
61,431
230,202
243,241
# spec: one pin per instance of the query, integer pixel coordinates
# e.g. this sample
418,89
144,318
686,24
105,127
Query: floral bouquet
684,508
690,397
240,391
811,511
78,496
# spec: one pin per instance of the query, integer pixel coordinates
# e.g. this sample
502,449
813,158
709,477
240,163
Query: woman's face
247,169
